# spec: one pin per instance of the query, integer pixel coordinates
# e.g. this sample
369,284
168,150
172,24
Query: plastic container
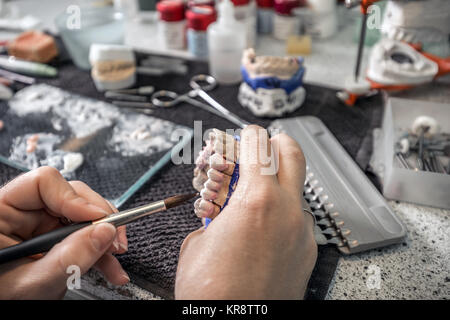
97,25
245,11
198,20
285,23
319,20
226,42
265,16
171,24
422,187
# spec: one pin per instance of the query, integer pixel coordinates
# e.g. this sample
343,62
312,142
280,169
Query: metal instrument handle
226,113
172,98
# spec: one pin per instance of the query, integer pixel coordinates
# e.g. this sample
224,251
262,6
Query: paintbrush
46,241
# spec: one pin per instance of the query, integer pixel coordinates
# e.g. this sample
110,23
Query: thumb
80,250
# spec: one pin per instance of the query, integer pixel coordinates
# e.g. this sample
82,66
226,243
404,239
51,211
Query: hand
33,204
261,246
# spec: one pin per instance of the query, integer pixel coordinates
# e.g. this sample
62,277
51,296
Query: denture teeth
215,165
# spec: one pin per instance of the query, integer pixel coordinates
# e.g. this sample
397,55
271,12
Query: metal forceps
199,84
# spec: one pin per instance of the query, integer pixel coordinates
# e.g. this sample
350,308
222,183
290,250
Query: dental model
216,176
272,86
113,66
216,173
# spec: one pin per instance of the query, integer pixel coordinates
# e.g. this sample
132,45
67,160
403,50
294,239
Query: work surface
416,269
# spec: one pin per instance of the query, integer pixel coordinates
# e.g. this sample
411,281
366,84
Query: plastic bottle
199,17
226,42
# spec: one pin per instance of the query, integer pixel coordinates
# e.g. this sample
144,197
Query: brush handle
39,244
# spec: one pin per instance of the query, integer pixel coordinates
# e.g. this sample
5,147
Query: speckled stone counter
418,268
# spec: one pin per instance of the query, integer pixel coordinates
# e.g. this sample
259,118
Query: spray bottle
226,42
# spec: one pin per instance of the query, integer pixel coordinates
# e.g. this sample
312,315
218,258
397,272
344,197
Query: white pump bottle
226,43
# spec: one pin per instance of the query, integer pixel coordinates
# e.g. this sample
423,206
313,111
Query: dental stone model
216,176
272,86
216,173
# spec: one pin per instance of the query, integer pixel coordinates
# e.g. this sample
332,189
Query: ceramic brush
46,241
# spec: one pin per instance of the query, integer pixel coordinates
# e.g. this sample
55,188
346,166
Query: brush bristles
180,199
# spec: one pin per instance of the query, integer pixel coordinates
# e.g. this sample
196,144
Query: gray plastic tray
363,213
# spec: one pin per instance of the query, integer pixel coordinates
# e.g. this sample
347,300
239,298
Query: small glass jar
198,19
171,24
285,23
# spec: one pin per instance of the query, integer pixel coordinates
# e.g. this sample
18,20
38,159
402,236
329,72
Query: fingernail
98,209
116,245
123,246
125,275
102,236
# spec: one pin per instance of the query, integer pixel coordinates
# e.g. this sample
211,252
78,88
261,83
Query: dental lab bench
417,268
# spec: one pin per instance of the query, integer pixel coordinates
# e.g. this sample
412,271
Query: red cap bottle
199,17
170,10
286,6
265,3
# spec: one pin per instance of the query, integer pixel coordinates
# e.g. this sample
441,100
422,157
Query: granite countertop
418,268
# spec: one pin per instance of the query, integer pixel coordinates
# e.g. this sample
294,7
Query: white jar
171,24
319,19
285,23
285,26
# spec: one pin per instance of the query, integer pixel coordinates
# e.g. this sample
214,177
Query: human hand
35,203
261,246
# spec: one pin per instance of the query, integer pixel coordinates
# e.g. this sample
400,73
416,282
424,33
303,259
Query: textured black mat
154,241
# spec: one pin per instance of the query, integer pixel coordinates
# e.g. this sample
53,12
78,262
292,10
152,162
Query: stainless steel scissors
199,84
